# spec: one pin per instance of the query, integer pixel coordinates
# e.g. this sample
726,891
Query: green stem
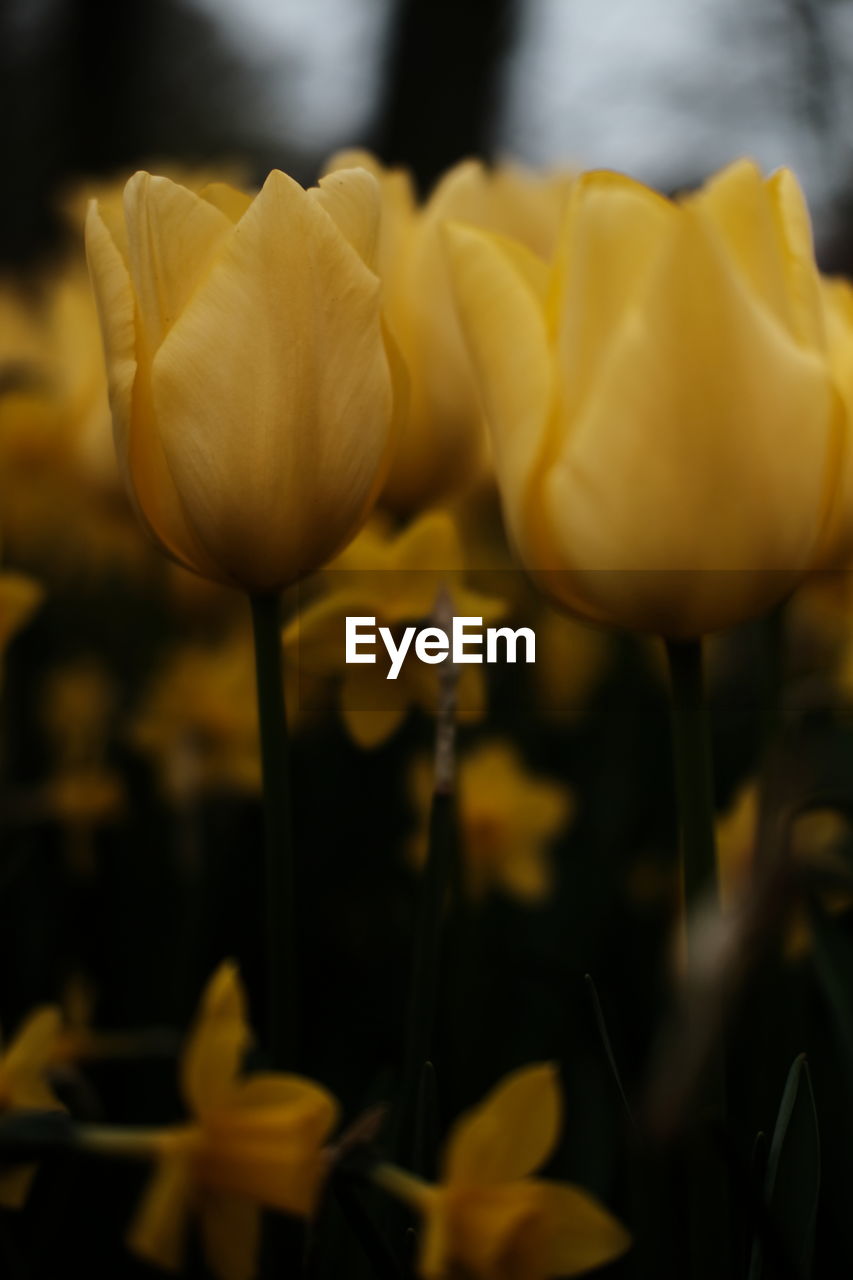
282,990
708,1200
435,884
691,742
283,1239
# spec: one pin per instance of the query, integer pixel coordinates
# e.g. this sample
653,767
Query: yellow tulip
666,430
249,384
508,819
24,1087
442,447
488,1219
255,1141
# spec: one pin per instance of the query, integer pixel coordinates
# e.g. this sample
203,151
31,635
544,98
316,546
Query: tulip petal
138,450
765,225
214,1052
159,1230
230,1232
277,467
351,199
510,1134
795,235
696,484
173,237
507,337
580,1233
116,310
613,232
227,199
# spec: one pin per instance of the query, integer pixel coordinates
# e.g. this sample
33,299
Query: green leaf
792,1178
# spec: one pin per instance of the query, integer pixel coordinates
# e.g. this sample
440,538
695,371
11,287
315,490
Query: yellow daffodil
253,1141
395,578
816,838
508,819
249,383
488,1219
443,445
23,1087
666,429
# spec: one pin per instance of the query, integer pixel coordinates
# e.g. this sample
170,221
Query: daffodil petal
510,1134
581,1234
214,1053
159,1230
372,707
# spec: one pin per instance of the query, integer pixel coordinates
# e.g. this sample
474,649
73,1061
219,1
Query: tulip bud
666,430
249,383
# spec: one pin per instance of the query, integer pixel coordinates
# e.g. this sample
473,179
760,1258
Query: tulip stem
437,878
691,741
708,1216
282,996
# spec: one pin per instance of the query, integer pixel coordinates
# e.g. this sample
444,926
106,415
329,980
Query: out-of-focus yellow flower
816,837
508,820
254,1141
443,445
666,431
23,1087
199,719
249,384
76,709
395,578
61,502
20,597
488,1219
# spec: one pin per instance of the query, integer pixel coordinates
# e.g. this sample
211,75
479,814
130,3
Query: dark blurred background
665,90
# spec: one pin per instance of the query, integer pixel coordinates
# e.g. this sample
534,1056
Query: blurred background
664,90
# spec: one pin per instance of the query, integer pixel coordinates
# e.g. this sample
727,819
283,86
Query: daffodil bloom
508,819
488,1218
443,446
250,389
666,428
394,578
24,1065
252,1141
